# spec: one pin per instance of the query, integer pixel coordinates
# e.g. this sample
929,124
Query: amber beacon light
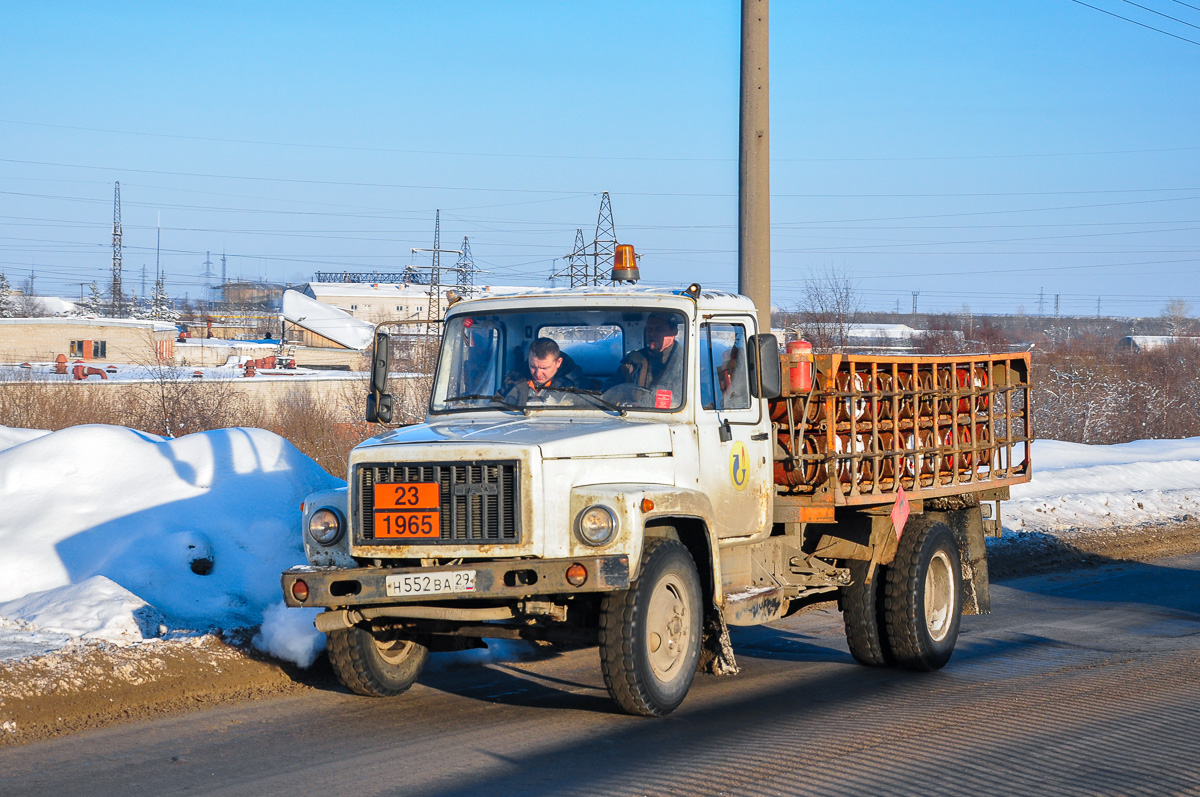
625,267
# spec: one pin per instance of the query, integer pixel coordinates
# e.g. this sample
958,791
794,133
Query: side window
724,381
99,349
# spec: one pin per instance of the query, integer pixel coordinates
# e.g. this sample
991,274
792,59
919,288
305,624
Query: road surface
1086,682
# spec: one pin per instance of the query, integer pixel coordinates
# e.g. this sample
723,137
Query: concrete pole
754,164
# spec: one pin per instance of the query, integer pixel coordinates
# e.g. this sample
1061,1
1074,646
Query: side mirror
379,402
766,373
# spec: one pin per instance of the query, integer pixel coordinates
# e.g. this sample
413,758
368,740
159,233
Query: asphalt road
1085,682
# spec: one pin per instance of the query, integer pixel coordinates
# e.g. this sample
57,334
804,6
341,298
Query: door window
724,381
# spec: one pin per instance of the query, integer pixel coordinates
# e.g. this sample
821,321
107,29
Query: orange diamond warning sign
900,512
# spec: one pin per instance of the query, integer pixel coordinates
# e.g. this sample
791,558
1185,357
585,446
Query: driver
545,374
657,365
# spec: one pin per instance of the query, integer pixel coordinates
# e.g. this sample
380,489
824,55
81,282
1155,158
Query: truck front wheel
923,601
374,667
650,633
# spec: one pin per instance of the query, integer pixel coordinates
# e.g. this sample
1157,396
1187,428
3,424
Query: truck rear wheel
923,599
863,614
650,633
374,667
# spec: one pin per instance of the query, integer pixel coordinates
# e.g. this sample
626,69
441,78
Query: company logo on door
739,465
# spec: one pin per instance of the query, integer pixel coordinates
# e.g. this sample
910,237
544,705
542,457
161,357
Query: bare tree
829,309
29,305
1177,315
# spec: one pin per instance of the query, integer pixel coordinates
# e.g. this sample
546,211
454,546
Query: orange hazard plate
407,511
408,525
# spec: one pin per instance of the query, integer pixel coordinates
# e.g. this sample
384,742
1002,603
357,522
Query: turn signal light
300,590
647,504
576,575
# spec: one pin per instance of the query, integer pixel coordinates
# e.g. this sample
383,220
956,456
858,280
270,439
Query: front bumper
514,578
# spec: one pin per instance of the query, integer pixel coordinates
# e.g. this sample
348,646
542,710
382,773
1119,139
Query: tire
371,667
923,600
863,614
650,633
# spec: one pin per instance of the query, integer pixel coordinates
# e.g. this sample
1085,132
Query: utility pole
754,162
118,299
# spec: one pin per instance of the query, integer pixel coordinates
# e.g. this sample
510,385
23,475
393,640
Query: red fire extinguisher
800,365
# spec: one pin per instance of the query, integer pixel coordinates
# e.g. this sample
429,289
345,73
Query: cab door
736,459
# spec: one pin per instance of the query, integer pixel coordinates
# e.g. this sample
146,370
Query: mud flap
716,649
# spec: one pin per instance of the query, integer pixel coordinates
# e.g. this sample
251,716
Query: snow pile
197,529
96,608
1079,486
10,437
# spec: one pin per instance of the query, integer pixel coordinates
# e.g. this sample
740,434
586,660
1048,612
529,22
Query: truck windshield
607,359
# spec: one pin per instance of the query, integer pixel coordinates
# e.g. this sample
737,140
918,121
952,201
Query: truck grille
478,502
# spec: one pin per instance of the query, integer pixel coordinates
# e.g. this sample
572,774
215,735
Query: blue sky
983,154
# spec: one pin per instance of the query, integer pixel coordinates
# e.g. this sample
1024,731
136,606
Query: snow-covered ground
112,534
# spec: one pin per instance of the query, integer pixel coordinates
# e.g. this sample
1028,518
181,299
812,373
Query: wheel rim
667,627
939,596
394,651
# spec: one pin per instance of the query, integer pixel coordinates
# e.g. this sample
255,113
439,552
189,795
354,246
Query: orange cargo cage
936,426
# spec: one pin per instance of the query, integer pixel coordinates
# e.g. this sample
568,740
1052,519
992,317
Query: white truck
661,487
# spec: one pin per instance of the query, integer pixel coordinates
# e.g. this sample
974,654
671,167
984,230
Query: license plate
430,583
407,511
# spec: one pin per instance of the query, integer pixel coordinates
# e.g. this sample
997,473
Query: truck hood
574,438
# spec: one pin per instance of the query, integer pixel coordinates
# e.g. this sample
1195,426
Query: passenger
657,366
545,375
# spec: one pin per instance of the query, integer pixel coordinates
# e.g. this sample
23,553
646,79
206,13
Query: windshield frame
686,315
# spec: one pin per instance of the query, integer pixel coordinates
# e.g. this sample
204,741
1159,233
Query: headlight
596,525
324,526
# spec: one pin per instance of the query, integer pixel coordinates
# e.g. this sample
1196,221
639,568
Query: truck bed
871,425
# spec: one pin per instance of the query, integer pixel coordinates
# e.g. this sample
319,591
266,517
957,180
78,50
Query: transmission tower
466,269
1041,302
435,276
605,244
118,299
208,277
915,295
223,278
576,269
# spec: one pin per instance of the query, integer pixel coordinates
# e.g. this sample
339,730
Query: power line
1141,25
1161,14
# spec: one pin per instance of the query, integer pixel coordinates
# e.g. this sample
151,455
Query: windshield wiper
495,397
595,396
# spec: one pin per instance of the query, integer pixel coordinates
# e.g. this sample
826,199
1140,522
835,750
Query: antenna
118,299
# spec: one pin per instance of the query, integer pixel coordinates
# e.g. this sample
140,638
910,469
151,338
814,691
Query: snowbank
1094,487
198,528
